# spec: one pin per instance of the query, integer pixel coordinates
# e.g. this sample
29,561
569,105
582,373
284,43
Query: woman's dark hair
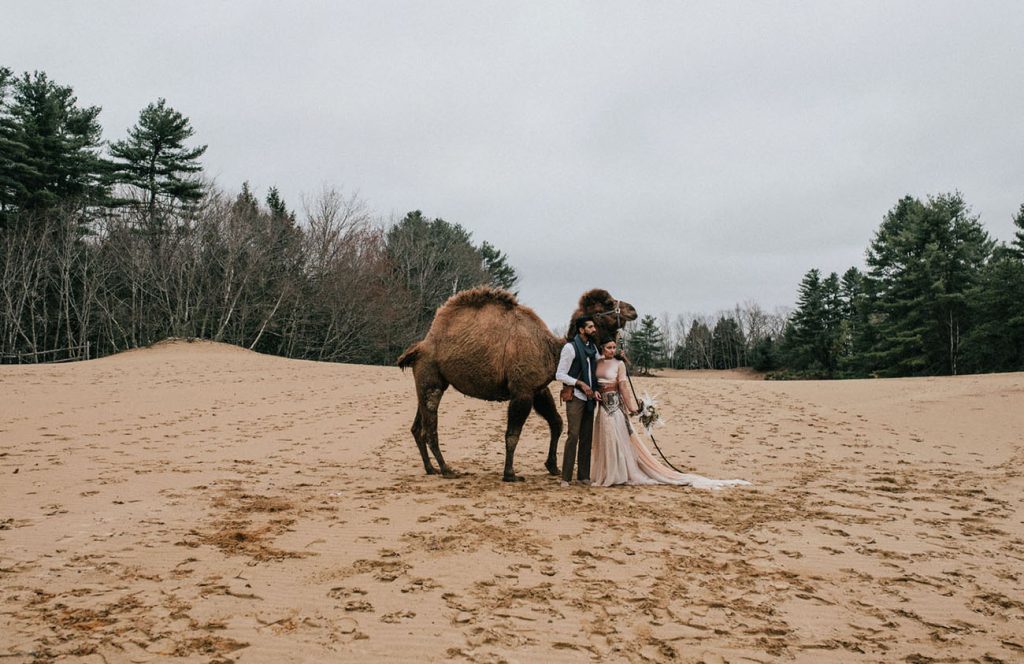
582,321
605,340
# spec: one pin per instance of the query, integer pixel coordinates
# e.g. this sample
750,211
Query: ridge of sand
200,502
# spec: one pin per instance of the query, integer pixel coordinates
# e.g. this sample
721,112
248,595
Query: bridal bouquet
650,416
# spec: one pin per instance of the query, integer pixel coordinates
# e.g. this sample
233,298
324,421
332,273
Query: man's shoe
563,483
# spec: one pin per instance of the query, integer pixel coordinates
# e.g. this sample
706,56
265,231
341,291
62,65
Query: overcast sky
686,156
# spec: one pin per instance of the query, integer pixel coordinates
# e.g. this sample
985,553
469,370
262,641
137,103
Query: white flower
650,416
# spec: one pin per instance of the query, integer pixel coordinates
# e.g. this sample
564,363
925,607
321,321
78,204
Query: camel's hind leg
518,411
430,399
430,387
545,406
421,443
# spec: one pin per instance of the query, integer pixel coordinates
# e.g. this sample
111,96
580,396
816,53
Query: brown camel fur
488,346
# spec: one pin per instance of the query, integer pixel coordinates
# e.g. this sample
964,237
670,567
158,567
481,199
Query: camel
488,346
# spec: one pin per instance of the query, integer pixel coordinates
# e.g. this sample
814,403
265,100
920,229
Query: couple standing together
598,403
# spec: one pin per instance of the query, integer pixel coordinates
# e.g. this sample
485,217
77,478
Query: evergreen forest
937,297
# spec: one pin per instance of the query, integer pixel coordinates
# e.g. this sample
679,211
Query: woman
619,456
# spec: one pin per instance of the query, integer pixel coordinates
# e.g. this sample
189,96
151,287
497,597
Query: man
577,369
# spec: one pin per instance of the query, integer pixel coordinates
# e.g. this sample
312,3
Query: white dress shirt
565,362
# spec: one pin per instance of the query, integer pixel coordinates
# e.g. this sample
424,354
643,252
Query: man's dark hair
582,321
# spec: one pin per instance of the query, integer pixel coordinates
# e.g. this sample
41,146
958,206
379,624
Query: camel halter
617,312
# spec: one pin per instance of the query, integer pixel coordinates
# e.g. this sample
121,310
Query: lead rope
649,433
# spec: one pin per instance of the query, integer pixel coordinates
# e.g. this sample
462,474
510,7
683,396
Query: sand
199,502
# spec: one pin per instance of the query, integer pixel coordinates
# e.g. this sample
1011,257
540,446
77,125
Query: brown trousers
578,442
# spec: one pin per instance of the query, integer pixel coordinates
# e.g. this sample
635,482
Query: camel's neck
608,333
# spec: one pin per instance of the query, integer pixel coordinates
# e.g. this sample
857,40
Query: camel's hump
481,296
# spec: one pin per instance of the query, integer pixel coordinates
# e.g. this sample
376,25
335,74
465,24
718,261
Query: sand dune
199,502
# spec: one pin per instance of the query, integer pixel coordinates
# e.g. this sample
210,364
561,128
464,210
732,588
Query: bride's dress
619,455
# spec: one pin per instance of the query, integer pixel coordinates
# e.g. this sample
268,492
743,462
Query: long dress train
619,455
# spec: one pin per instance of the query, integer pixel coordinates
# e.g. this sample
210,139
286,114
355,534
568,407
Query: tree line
938,296
744,336
106,246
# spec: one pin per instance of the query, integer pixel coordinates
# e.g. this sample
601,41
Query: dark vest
576,368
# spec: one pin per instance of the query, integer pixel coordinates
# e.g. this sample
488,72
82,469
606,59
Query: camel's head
609,314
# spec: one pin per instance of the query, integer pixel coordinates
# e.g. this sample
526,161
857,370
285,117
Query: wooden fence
72,354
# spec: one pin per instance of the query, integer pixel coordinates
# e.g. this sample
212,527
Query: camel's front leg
518,411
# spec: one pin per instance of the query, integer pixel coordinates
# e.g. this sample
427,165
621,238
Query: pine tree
727,344
764,355
922,263
695,351
496,265
807,324
246,201
276,205
645,344
851,288
50,147
432,260
996,340
1018,237
14,168
851,321
154,158
897,284
832,345
813,339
